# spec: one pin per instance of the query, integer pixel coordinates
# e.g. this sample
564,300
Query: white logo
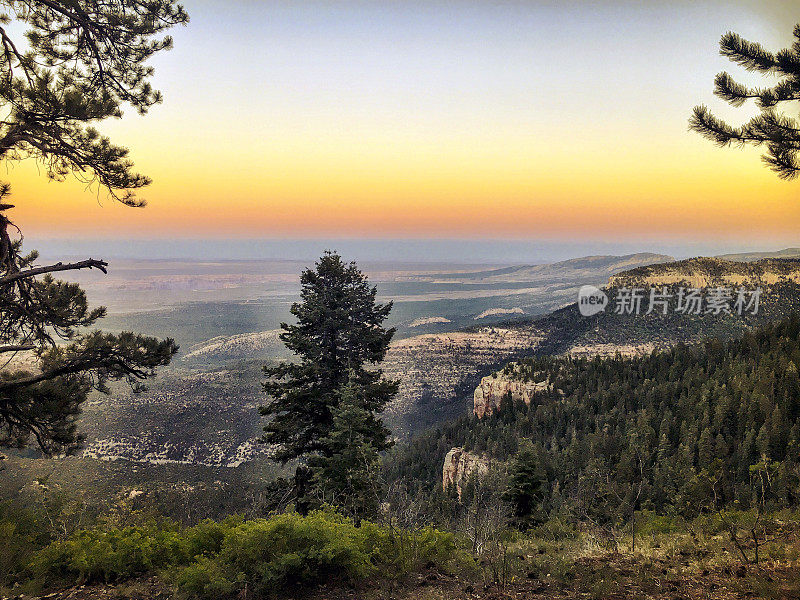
591,300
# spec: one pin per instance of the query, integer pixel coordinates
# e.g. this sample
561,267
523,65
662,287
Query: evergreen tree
348,474
50,366
524,492
779,132
339,338
695,417
705,450
77,63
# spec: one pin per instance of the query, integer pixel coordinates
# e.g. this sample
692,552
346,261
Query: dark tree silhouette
778,132
339,339
81,63
78,63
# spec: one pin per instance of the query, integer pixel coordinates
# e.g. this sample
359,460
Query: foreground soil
609,577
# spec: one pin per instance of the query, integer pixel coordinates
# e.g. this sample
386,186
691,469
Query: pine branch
16,348
788,62
719,132
785,91
733,93
779,132
750,55
67,369
774,128
784,162
105,356
84,264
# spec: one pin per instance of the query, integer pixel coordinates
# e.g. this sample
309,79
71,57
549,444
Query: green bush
22,532
110,554
16,546
404,551
212,560
650,523
289,549
268,555
719,522
114,553
206,537
555,529
204,578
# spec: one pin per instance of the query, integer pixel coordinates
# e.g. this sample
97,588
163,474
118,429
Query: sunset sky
546,120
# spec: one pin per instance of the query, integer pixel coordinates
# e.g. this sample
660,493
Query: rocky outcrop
711,272
434,368
490,393
459,465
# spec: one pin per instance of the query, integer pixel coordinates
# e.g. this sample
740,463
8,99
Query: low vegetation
288,554
214,559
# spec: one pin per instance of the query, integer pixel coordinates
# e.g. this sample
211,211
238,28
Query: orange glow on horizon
692,190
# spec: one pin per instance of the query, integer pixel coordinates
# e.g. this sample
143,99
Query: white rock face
428,321
459,465
500,311
492,390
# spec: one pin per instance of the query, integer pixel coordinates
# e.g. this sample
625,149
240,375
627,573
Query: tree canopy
79,63
339,333
676,431
777,131
324,406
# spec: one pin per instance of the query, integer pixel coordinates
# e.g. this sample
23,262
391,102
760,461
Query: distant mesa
754,256
243,345
704,272
592,268
500,311
428,321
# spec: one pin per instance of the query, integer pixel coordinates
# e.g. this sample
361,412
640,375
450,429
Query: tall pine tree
525,486
339,340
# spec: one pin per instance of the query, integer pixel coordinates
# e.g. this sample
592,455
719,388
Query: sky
551,121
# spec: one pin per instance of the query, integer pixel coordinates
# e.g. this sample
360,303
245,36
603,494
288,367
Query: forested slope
682,430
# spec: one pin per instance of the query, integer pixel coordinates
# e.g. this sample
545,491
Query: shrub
268,555
650,523
205,538
290,549
110,554
23,531
404,551
556,528
212,560
204,578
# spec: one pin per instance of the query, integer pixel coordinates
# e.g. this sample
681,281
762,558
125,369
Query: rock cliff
459,465
490,393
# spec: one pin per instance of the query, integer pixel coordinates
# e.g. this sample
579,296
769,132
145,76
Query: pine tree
76,63
339,339
348,474
779,132
524,492
73,64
